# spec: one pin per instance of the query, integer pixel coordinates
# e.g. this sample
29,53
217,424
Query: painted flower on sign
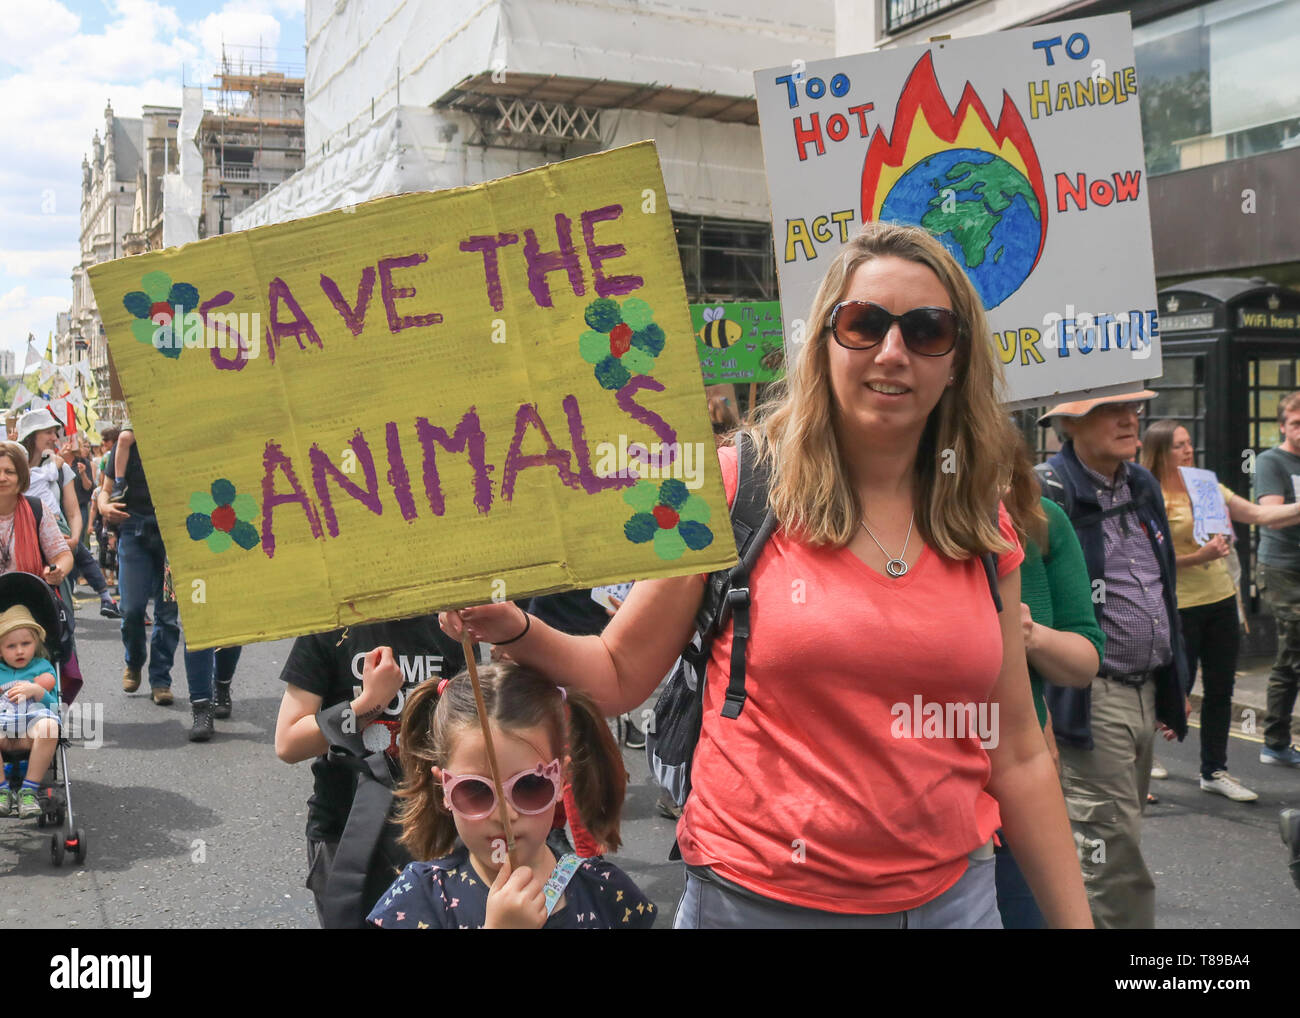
670,516
159,304
621,341
221,518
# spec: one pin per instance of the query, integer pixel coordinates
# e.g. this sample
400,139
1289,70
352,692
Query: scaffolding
255,113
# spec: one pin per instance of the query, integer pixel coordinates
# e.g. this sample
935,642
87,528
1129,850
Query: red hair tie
442,684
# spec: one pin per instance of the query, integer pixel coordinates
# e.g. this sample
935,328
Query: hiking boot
1223,783
8,802
202,712
119,490
1289,757
130,679
109,608
28,805
162,696
221,705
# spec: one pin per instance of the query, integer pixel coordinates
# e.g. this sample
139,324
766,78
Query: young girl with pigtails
449,810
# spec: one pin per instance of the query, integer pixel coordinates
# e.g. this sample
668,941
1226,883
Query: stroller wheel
79,849
40,821
57,848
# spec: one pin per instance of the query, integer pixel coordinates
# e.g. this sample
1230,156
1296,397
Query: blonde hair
795,429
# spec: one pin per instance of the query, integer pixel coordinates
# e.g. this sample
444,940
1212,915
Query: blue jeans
1015,900
140,558
971,903
201,665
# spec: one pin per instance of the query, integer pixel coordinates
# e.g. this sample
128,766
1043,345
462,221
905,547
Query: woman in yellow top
1207,595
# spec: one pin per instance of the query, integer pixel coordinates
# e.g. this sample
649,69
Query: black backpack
674,731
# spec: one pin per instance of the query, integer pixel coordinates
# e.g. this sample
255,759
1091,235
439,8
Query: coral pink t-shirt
812,796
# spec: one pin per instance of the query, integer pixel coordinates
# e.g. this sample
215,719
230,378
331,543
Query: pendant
896,567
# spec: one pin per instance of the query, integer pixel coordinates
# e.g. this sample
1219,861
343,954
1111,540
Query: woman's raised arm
618,669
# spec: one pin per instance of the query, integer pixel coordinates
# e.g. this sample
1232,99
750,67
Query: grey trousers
1281,590
1105,790
971,903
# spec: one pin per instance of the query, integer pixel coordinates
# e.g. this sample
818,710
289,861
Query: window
726,259
1219,82
900,14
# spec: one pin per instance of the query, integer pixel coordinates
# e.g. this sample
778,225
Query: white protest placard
1021,151
1209,510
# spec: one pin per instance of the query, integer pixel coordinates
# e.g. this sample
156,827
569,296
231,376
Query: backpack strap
728,593
38,509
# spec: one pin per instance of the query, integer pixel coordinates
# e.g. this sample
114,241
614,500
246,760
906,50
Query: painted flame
924,125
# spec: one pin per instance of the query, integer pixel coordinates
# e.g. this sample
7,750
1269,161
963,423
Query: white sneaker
1158,770
1225,784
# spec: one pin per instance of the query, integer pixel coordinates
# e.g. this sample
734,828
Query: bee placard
739,342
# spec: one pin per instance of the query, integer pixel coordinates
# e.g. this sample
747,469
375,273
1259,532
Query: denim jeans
140,558
201,666
1016,901
971,903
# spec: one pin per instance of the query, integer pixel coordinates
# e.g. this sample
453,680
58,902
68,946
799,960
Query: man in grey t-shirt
1277,481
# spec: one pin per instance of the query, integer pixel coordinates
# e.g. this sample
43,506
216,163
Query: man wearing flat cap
1106,733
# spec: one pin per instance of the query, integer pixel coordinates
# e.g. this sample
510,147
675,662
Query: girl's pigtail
596,770
428,831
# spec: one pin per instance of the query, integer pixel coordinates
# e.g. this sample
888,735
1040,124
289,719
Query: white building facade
405,96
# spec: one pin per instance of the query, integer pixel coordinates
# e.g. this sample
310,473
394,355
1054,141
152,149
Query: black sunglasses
860,325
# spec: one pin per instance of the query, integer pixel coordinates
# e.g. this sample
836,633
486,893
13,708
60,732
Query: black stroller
51,614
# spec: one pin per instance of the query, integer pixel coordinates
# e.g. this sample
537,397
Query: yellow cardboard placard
420,403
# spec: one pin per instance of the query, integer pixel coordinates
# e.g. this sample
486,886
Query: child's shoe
28,805
8,802
119,490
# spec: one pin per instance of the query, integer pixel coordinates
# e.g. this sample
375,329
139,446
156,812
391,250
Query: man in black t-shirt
343,706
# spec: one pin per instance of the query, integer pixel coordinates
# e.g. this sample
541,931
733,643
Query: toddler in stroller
34,639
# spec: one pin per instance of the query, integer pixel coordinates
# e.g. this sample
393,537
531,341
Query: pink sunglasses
530,792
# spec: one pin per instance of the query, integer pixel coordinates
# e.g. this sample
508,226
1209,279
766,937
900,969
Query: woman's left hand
53,575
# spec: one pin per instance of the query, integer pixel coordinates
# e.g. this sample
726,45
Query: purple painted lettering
273,459
397,473
353,317
527,415
468,437
640,414
541,264
391,294
300,324
240,359
367,496
606,286
591,483
488,245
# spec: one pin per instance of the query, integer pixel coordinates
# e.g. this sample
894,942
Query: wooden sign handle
467,643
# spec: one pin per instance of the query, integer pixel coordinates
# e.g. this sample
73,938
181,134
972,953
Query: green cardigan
1057,590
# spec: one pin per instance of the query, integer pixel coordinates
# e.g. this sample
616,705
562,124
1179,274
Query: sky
59,64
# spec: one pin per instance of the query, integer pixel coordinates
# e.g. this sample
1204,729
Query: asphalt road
192,836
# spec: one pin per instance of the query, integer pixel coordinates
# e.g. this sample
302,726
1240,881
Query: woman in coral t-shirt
889,727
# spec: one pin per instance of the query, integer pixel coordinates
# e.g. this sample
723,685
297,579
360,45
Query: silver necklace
895,567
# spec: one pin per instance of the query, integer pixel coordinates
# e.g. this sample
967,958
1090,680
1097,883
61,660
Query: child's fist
516,900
